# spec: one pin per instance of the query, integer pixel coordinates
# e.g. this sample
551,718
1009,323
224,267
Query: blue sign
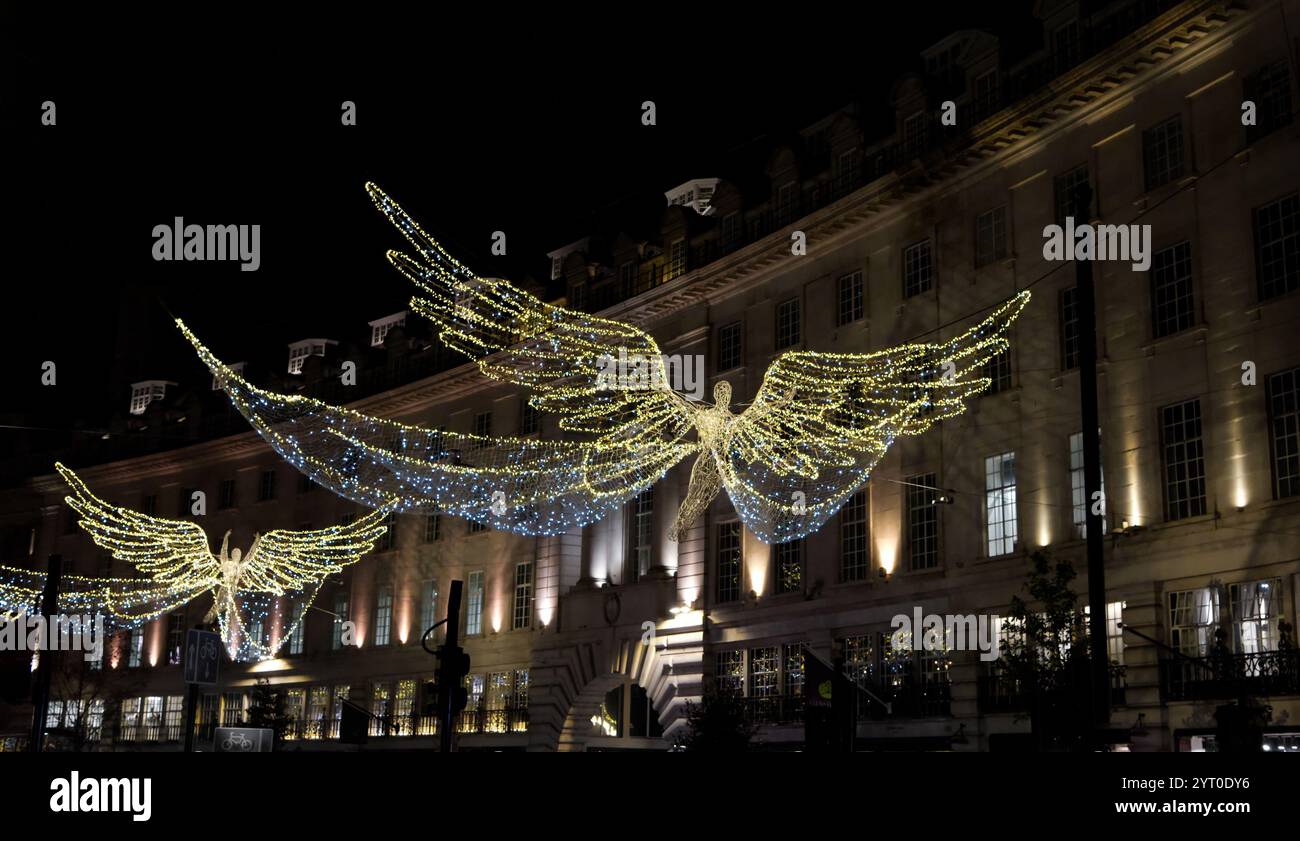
202,657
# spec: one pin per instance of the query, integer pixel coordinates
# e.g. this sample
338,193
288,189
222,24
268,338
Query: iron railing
1223,676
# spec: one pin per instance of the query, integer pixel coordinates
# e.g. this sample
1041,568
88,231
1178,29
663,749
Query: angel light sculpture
816,427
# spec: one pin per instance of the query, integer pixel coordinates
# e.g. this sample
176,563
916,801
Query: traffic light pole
1085,293
45,665
449,671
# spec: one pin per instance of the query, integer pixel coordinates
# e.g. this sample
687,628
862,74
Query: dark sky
531,127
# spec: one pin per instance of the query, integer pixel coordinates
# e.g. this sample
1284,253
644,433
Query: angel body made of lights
817,426
177,565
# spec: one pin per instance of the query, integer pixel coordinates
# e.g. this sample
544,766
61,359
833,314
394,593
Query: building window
997,368
149,504
428,605
991,236
523,595
729,346
1184,460
483,424
389,538
474,604
266,486
986,94
383,614
1069,328
380,329
1078,493
1193,618
530,422
1000,503
785,203
850,299
1162,152
918,269
296,619
1284,422
787,562
1065,46
677,259
914,134
1269,88
557,267
135,649
175,638
1171,290
1255,609
922,521
787,324
729,673
729,556
432,527
641,516
731,232
1063,187
792,669
764,672
855,553
475,527
226,494
379,698
1277,247
305,484
340,617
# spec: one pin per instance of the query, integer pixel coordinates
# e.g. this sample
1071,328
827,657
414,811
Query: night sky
471,128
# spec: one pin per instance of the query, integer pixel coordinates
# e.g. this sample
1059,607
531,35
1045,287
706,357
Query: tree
266,710
1044,651
718,724
89,701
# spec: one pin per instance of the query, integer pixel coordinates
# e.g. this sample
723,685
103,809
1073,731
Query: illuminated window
729,673
1184,460
1256,608
792,668
474,604
1193,618
728,562
763,672
175,637
523,614
787,564
640,532
403,708
922,521
379,709
855,553
135,648
1000,503
1078,493
383,614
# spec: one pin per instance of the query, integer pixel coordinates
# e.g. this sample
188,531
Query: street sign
202,657
243,740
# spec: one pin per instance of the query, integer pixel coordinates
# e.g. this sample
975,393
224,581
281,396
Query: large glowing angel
816,428
177,565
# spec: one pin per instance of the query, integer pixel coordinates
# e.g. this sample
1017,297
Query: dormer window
299,351
557,267
237,367
145,392
380,327
694,194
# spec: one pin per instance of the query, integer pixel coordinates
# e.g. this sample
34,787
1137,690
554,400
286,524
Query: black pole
45,666
448,678
1086,296
191,707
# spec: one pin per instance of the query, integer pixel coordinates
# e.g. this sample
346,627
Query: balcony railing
150,733
505,720
1225,676
1001,693
775,709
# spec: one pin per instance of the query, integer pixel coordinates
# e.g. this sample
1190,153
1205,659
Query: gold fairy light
179,566
818,425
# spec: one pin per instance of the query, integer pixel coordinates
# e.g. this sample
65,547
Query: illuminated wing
127,601
559,353
821,421
170,552
524,485
283,560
